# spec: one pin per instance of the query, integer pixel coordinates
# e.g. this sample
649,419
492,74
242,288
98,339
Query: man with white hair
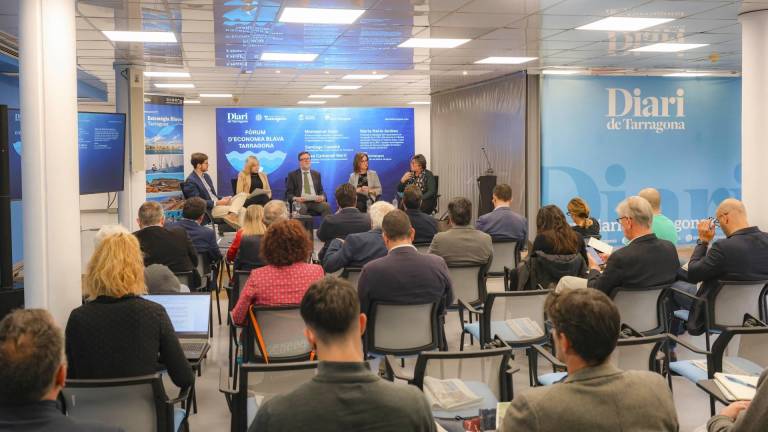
360,248
275,211
645,262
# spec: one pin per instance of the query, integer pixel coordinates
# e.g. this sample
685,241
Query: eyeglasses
715,221
623,217
305,159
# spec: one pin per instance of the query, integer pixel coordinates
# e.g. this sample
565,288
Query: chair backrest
503,306
468,283
265,380
422,247
241,277
352,274
638,353
642,309
402,329
185,278
136,404
505,253
732,299
546,270
751,355
277,335
204,265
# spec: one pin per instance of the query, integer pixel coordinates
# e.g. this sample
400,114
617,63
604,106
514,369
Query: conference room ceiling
220,43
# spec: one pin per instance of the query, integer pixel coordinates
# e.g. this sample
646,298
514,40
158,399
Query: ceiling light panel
311,102
668,47
364,77
291,57
320,15
505,60
624,24
166,74
140,36
324,96
175,85
433,43
341,87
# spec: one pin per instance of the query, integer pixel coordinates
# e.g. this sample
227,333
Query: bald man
662,226
742,255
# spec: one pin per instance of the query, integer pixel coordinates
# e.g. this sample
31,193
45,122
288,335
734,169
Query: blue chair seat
178,417
479,388
690,371
682,314
552,378
499,328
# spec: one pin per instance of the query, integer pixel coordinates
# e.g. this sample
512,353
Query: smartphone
595,256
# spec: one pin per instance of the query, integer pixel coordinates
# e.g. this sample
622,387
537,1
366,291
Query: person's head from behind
252,166
331,312
253,221
412,197
635,217
32,357
275,211
578,210
199,162
653,197
460,211
116,268
732,216
286,242
396,229
377,211
194,209
551,223
586,326
305,160
360,163
550,217
346,196
108,231
418,164
502,195
150,214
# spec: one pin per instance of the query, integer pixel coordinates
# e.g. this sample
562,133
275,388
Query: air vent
9,45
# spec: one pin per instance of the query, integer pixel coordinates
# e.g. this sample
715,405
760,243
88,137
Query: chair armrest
398,371
689,295
548,356
182,397
688,346
468,307
512,369
224,384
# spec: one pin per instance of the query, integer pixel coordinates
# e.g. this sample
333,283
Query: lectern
485,183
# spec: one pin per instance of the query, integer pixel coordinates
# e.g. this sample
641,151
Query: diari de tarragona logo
233,117
631,110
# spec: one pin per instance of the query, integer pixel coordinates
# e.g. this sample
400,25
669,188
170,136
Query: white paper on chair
728,367
525,328
449,394
599,245
736,387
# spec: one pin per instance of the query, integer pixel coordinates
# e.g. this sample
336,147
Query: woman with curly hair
286,248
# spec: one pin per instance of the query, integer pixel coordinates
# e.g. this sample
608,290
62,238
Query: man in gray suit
462,244
595,396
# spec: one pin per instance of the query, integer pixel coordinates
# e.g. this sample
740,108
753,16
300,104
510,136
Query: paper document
256,192
599,245
736,387
308,198
525,328
728,367
449,394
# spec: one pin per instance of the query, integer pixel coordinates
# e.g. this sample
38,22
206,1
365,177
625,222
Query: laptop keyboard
192,346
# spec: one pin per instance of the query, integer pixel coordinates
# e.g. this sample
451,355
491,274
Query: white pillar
50,177
754,113
129,99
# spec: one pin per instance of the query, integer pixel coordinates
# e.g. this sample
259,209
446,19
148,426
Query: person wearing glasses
304,188
365,181
646,261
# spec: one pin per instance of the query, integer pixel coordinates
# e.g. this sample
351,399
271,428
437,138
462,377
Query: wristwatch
702,242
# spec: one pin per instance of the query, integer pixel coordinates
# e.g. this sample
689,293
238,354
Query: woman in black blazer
424,179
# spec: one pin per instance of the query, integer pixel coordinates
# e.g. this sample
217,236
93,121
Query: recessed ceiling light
188,101
216,95
505,60
324,96
464,73
140,36
311,102
277,71
419,103
341,87
320,16
174,85
297,57
432,43
562,71
668,47
166,74
624,24
363,77
687,74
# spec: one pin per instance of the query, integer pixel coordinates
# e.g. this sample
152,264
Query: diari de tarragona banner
606,138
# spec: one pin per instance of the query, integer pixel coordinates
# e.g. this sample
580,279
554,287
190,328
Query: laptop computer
189,314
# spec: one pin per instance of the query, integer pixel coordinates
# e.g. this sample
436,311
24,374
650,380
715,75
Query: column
50,178
754,111
129,99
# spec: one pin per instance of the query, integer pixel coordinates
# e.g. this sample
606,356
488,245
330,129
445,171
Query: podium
485,183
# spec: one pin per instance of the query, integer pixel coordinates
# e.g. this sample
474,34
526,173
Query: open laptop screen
188,312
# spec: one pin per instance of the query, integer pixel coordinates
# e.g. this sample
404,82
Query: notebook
736,387
189,314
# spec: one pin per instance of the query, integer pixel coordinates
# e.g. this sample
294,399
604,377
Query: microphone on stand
489,171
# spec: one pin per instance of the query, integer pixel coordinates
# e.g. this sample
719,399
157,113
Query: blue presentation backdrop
606,138
14,139
332,135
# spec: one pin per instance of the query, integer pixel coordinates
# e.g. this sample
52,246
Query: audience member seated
744,416
360,248
32,374
595,396
171,248
203,239
347,220
275,211
554,236
645,262
199,184
424,224
662,226
404,276
742,255
584,224
286,248
462,243
503,223
245,248
344,395
118,334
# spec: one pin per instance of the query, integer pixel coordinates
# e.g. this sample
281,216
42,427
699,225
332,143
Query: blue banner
14,140
164,152
332,135
606,138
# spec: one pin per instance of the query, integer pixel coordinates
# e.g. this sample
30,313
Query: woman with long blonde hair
244,250
118,333
254,183
584,224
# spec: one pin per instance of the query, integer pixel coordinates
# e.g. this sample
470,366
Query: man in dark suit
203,239
404,276
741,256
33,372
348,220
645,262
199,184
171,248
424,224
503,223
304,188
359,249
